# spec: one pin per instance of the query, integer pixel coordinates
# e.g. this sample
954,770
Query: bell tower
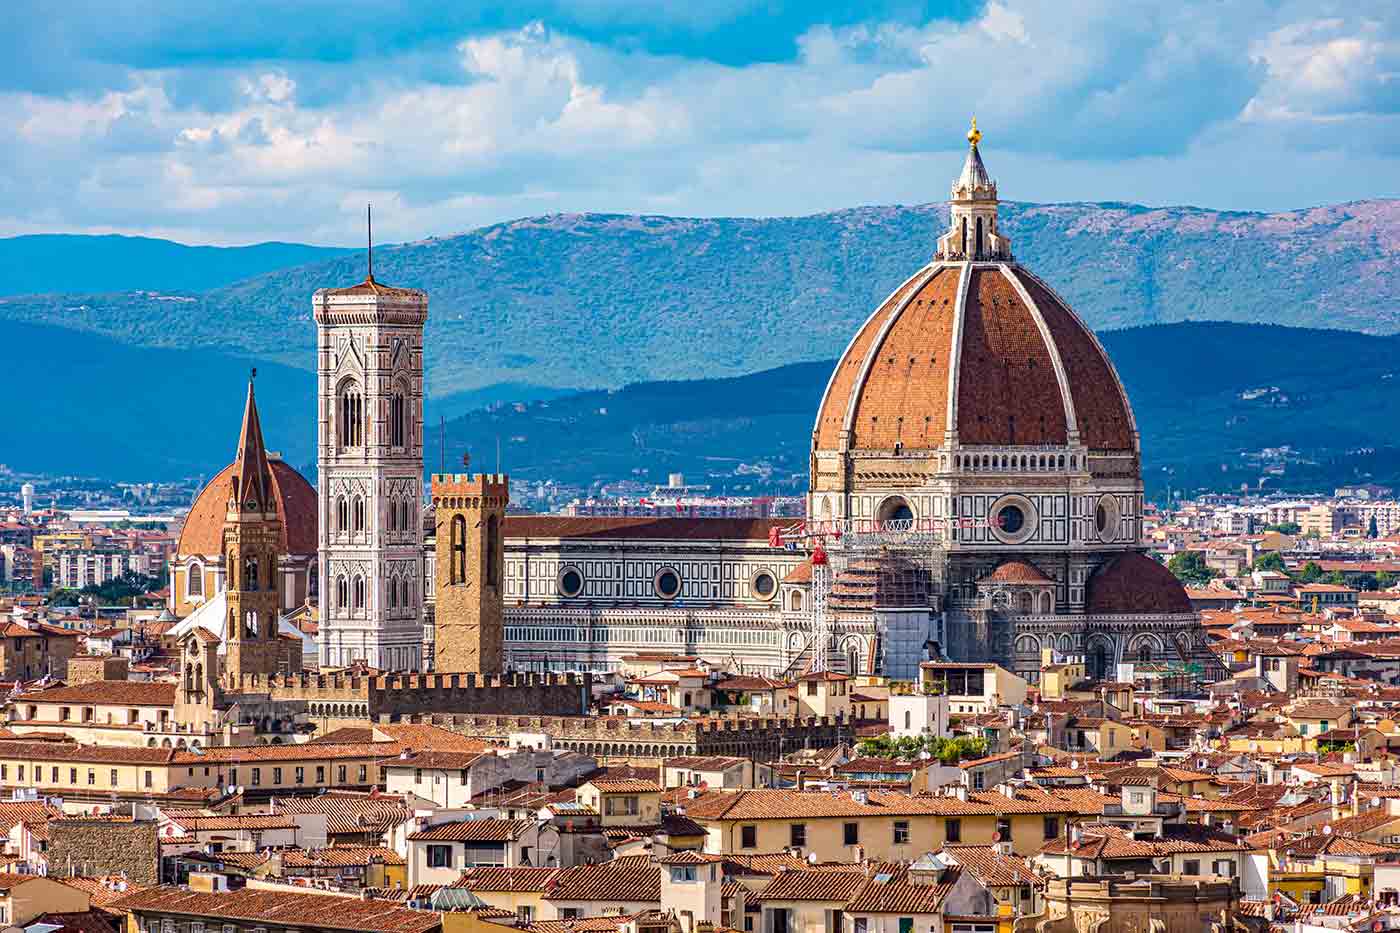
369,362
469,619
252,546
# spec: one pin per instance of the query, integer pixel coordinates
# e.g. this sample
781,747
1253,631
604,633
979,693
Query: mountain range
697,336
593,300
1208,397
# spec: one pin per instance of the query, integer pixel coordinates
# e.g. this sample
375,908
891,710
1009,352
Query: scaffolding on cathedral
860,565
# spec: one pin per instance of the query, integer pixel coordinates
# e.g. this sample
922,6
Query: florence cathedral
975,479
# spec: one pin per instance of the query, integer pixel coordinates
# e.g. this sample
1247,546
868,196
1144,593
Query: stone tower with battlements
468,628
252,545
370,474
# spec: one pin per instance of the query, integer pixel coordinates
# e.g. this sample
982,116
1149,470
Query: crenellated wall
402,695
762,738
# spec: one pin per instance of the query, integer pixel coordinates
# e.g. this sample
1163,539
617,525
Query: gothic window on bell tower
342,515
250,573
342,592
350,415
359,526
398,416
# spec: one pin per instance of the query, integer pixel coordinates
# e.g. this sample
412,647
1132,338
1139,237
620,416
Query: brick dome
998,358
203,533
1135,584
1016,571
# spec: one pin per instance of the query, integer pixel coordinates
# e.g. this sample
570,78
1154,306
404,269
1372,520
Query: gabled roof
631,878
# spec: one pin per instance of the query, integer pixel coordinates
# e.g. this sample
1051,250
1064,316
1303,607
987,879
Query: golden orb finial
974,135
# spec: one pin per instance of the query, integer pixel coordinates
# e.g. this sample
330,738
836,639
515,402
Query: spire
252,474
369,242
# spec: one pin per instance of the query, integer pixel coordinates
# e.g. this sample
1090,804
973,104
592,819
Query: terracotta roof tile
284,908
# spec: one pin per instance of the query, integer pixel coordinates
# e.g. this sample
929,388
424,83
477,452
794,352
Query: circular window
570,582
1106,517
668,584
764,585
1013,519
895,509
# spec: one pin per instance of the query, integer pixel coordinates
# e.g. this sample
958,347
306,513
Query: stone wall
105,847
763,739
1131,904
86,668
339,696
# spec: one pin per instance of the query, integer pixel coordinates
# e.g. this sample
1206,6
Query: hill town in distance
922,637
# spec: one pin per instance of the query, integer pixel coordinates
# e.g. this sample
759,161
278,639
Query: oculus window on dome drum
667,584
570,582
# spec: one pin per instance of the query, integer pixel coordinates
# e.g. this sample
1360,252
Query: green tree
1285,528
1311,572
1384,579
1335,578
1270,561
1190,567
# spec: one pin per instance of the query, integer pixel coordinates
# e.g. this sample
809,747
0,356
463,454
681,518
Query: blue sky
226,123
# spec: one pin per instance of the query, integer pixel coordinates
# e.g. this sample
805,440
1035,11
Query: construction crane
833,547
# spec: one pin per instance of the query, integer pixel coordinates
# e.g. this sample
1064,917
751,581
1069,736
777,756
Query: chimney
801,779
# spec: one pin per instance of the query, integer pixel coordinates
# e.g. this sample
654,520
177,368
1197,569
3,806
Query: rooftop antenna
369,241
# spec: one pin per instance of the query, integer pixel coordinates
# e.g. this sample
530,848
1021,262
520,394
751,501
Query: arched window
1144,653
493,527
342,515
398,417
250,624
350,416
359,509
250,572
394,593
964,236
908,717
459,549
359,592
342,592
979,238
194,580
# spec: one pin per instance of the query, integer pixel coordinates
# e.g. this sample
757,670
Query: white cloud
1077,100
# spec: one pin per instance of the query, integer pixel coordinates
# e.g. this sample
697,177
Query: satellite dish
1375,801
1074,765
996,837
811,858
1327,830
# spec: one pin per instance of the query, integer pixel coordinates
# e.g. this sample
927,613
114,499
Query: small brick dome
1135,584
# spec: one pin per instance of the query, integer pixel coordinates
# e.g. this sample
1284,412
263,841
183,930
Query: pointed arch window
964,236
359,592
398,416
194,580
250,624
459,549
394,593
250,572
493,536
979,238
350,416
342,515
342,592
359,509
